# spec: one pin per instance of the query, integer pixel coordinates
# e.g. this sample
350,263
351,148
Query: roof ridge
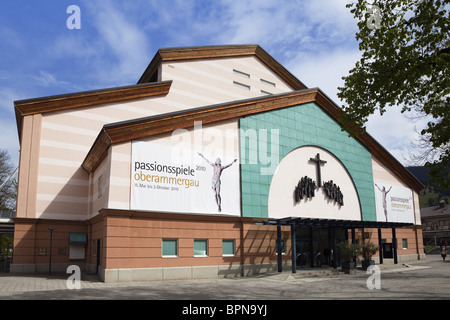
219,51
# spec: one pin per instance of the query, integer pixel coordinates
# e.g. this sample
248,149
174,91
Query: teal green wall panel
297,126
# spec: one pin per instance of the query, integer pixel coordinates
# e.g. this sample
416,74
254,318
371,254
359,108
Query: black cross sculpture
318,163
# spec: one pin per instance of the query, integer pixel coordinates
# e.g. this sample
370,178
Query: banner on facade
203,183
394,203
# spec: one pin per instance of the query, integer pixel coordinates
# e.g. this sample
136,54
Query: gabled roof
87,98
149,126
210,52
436,211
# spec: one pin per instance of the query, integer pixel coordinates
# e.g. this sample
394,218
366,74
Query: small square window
170,248
200,248
228,248
76,251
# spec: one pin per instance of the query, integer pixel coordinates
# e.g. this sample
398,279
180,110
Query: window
228,248
266,92
170,248
241,85
77,243
76,251
268,83
283,247
200,248
405,243
240,73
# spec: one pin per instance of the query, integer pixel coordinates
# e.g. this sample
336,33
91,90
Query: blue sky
40,56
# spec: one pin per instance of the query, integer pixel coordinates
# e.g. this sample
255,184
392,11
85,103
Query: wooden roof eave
86,99
149,126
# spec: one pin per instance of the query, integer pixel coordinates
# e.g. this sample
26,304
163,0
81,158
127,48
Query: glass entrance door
315,247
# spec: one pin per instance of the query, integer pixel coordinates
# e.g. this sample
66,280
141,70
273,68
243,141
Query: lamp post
51,229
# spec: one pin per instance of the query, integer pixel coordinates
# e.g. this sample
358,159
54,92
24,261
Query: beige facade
76,164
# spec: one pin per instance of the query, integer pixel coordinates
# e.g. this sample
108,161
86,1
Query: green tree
6,243
405,62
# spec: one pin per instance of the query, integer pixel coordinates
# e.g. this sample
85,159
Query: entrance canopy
332,225
313,222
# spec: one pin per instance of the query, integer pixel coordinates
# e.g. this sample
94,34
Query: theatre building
217,163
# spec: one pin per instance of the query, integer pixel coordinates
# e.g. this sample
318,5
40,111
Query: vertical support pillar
380,245
311,253
279,253
394,245
353,242
51,229
294,249
333,241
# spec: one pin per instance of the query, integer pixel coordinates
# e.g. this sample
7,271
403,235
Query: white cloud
117,51
47,79
396,132
324,70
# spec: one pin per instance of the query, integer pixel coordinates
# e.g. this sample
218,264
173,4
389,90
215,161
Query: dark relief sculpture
333,192
306,186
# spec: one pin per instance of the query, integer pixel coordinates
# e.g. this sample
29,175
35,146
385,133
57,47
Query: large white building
186,174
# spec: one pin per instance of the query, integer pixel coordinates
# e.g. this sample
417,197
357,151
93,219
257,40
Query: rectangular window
77,244
76,251
200,248
240,73
268,83
283,247
170,248
266,92
228,248
241,85
405,243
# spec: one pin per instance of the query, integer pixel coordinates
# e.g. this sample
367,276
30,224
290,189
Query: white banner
161,181
394,203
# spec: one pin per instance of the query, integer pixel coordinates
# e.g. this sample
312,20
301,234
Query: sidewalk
430,277
16,283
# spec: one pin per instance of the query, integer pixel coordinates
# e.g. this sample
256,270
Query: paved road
428,279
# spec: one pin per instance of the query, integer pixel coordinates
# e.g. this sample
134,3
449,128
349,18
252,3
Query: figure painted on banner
215,183
383,198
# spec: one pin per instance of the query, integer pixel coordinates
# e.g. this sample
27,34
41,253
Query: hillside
431,194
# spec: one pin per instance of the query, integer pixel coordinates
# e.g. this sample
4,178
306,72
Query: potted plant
347,252
367,250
